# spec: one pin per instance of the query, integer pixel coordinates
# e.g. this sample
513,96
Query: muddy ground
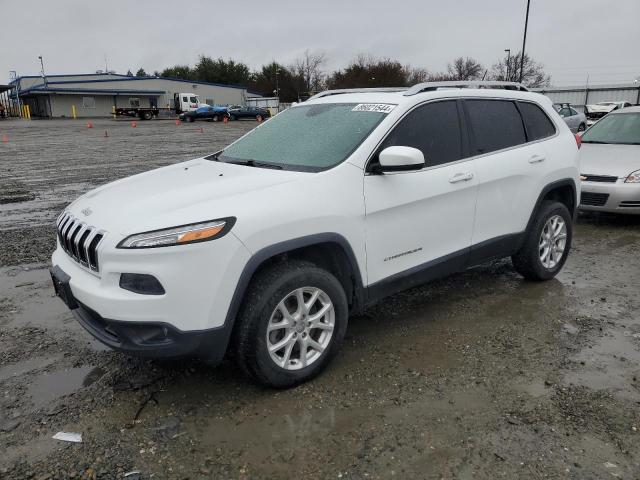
481,375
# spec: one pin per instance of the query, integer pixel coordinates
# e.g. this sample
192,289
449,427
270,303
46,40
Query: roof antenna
485,74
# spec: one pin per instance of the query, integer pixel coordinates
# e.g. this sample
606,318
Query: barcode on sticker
373,107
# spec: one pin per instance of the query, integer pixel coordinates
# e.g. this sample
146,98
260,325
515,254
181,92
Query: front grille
600,178
79,240
593,199
630,204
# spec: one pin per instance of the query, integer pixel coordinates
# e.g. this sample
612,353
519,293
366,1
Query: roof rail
432,86
341,91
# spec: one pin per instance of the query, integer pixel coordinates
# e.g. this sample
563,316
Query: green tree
272,79
184,72
141,73
129,73
366,71
221,71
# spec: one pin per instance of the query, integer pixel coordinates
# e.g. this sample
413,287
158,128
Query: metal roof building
588,95
95,95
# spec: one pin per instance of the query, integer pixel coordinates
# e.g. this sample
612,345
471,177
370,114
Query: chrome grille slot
79,240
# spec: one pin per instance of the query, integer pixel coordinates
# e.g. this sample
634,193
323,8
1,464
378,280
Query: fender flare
545,191
258,258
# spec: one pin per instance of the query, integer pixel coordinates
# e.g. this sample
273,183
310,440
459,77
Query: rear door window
537,122
496,124
433,128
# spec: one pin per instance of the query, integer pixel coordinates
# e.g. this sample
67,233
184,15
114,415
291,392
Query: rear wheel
190,119
291,325
215,118
232,117
547,244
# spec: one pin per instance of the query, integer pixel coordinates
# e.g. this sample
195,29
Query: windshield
308,137
615,128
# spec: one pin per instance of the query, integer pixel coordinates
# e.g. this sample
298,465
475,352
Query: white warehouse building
588,95
95,95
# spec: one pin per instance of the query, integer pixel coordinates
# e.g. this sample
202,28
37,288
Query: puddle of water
610,364
26,366
51,386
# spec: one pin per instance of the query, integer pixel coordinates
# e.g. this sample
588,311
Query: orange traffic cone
89,125
178,122
134,124
5,139
225,120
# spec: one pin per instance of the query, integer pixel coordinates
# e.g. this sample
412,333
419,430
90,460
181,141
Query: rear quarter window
538,123
496,124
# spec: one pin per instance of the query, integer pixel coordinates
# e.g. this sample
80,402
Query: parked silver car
576,121
610,163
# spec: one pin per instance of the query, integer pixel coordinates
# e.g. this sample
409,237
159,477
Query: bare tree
508,69
307,72
465,69
416,75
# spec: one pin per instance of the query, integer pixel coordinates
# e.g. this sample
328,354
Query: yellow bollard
73,112
28,113
113,111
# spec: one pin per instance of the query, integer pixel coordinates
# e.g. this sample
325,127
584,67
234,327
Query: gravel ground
480,375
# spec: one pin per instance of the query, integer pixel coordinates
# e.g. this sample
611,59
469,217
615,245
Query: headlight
192,233
634,177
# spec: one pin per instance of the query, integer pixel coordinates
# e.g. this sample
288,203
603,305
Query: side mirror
400,159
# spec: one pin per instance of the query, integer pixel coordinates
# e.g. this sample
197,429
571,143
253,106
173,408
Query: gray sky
572,38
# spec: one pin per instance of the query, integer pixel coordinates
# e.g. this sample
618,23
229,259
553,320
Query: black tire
232,117
582,127
215,118
147,116
265,292
527,260
190,119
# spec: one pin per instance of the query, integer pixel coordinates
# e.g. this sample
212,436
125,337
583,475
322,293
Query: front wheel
547,245
582,127
291,325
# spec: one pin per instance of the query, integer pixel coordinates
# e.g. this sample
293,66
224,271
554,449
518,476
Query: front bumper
618,197
152,339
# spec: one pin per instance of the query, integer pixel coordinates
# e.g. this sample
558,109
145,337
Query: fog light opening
141,283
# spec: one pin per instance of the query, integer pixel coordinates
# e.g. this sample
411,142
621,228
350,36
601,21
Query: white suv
265,248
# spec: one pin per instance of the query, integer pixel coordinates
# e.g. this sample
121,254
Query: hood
607,159
600,108
188,192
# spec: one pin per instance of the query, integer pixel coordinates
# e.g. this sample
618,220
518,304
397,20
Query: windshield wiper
214,156
593,141
255,163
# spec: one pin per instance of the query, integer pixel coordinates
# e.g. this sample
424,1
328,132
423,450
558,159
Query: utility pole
508,50
524,42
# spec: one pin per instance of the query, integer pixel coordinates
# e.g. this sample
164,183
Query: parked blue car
209,113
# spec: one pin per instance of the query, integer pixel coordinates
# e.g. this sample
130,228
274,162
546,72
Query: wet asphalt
480,375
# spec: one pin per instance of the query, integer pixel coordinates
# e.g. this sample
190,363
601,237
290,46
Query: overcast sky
572,38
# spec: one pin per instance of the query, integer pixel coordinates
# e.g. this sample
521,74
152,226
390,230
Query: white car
265,248
598,110
577,121
610,163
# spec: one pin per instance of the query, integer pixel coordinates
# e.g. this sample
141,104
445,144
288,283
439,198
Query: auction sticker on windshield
373,107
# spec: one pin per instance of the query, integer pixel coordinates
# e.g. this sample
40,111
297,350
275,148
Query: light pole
278,86
508,50
44,78
524,41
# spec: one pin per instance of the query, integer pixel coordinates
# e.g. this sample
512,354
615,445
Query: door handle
537,159
461,177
